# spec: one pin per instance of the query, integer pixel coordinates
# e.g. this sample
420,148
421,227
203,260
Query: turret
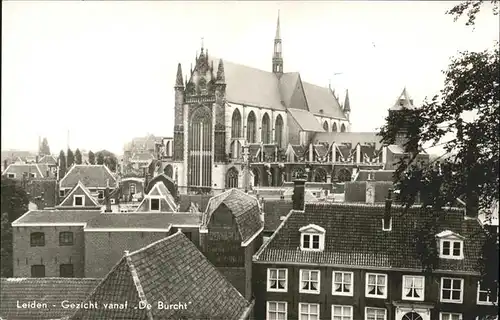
277,55
347,105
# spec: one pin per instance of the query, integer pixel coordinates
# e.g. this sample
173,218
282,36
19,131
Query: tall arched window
236,124
342,128
200,148
251,127
232,178
320,175
266,129
334,127
236,149
278,130
325,126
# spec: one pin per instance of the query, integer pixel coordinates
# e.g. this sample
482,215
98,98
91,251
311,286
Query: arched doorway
232,178
320,175
344,175
412,316
169,171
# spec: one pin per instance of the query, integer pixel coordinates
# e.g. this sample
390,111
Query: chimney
387,221
5,164
298,194
370,192
107,198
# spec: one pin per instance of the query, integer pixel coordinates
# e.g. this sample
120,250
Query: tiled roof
354,237
167,181
273,211
288,85
349,137
92,176
404,100
144,220
51,291
46,186
299,150
171,270
159,190
320,98
378,175
260,87
200,199
41,217
49,159
245,209
143,156
79,189
321,150
20,169
346,151
306,120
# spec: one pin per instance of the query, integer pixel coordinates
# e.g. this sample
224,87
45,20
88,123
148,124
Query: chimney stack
298,194
386,223
107,198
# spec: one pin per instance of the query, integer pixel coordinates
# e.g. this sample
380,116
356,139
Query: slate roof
20,169
346,151
76,217
349,137
321,98
306,120
92,176
321,150
171,270
43,290
354,237
403,101
144,220
287,86
378,175
245,209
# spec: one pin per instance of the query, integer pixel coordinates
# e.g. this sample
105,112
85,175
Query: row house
359,261
96,178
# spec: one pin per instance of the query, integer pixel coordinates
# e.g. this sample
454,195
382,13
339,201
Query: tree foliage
100,158
471,8
91,157
62,164
70,158
14,203
78,156
464,120
107,158
44,148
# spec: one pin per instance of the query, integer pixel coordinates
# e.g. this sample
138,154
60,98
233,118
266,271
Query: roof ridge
129,254
257,255
137,282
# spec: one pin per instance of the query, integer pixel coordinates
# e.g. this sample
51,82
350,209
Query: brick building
96,178
359,261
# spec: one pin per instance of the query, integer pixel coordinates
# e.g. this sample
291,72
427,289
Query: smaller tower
277,55
347,105
179,116
404,101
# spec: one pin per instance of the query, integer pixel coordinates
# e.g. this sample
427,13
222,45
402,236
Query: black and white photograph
250,160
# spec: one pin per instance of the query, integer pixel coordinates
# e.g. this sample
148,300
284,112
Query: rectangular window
66,238
154,204
78,201
311,241
450,316
66,271
37,239
342,283
451,249
277,280
413,288
452,290
308,311
375,314
11,175
38,271
132,188
32,175
309,281
61,193
485,297
277,310
100,194
376,285
341,312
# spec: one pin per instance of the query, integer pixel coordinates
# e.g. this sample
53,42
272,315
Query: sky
104,71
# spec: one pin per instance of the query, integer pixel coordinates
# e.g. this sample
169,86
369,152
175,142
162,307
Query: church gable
298,99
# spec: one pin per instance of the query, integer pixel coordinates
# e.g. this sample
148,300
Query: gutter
248,310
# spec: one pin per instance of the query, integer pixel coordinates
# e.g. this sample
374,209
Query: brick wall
51,255
355,191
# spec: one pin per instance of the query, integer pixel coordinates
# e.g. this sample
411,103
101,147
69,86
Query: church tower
403,102
179,116
277,55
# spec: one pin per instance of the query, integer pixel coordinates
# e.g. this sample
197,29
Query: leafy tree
108,158
78,156
463,120
100,158
91,157
70,158
14,204
62,164
44,148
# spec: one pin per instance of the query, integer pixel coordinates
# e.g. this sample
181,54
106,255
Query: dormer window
312,238
451,245
78,201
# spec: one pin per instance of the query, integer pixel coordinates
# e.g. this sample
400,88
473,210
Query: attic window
154,204
100,194
451,245
78,201
11,175
312,238
32,175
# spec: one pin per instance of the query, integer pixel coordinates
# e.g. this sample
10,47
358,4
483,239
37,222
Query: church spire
178,79
277,57
347,104
221,78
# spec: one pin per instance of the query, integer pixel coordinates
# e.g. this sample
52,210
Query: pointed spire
278,35
347,105
221,78
178,79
